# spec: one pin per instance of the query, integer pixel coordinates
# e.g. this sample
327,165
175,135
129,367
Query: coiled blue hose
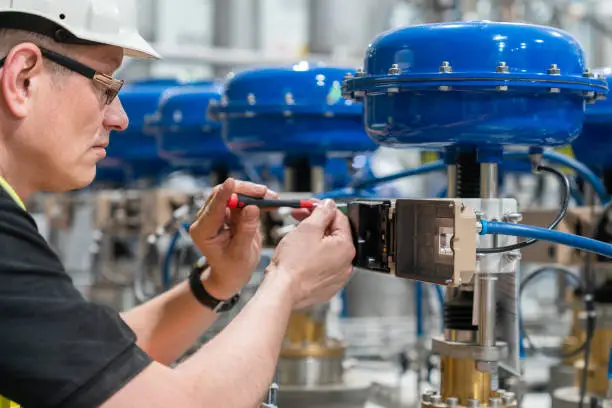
563,238
418,288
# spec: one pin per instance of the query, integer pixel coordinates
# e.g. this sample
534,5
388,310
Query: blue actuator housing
476,84
185,133
594,146
297,110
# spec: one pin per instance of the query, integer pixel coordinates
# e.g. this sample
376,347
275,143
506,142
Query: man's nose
115,117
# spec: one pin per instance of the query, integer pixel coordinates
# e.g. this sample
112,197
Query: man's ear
21,77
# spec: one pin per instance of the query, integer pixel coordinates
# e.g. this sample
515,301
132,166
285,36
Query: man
58,106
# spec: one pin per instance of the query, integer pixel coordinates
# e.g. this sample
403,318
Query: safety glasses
110,85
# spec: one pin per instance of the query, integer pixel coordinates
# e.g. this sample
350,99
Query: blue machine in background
186,135
488,84
594,147
473,88
295,111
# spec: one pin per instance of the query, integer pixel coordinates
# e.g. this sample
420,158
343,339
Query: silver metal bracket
469,351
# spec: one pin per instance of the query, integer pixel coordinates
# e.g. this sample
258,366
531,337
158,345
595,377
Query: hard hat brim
132,43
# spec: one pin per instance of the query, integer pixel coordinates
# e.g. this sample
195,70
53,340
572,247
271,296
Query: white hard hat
111,22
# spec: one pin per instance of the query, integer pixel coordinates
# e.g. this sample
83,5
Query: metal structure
514,85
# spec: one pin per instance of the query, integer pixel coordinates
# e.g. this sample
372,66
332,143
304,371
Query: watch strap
202,295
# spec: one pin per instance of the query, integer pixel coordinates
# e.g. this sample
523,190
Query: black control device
408,238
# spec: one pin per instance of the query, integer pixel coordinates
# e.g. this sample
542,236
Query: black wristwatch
202,295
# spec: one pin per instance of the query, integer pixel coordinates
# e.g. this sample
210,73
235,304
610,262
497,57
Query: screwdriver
241,201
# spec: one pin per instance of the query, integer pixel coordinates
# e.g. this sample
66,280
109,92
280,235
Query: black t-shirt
56,348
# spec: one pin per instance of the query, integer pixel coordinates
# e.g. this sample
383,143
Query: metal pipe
289,178
485,291
452,181
488,180
486,307
317,177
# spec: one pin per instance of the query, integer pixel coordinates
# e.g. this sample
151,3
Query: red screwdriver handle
241,201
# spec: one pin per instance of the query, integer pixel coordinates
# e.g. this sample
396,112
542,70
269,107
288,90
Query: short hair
10,37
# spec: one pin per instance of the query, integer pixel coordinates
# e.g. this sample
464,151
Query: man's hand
230,239
316,257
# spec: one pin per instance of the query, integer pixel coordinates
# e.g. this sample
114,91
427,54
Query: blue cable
427,168
583,171
563,238
167,265
419,309
440,295
610,365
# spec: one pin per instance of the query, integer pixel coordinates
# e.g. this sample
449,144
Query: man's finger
253,190
341,226
212,218
245,230
301,214
322,217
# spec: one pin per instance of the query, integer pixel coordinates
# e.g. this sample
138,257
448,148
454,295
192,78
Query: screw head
426,397
588,74
452,402
473,403
436,399
446,67
395,69
554,70
508,398
289,99
513,217
251,99
555,90
502,88
495,402
502,67
444,88
360,72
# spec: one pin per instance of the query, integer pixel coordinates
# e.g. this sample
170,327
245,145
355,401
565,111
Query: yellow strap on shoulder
7,187
4,403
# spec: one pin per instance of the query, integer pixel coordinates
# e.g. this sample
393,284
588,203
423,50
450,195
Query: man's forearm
238,365
169,324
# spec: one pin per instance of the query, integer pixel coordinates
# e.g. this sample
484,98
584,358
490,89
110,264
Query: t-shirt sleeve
56,348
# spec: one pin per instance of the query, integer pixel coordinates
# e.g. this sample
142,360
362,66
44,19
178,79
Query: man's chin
80,181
